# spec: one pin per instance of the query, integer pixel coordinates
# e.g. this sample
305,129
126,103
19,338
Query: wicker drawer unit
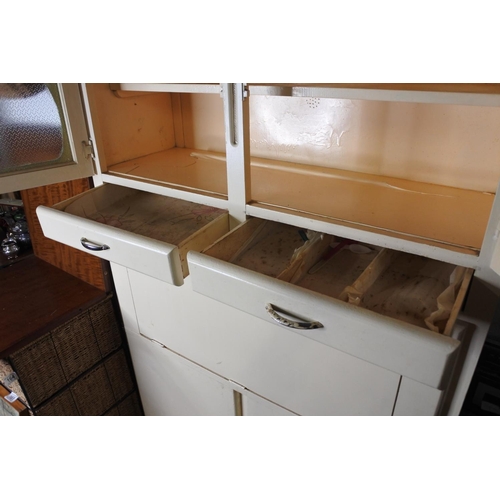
78,368
107,388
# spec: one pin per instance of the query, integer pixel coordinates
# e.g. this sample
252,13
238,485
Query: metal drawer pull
90,245
298,325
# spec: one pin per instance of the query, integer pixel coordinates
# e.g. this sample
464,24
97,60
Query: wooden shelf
440,216
179,168
436,215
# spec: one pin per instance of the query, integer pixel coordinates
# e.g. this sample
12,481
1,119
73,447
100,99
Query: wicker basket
50,363
61,405
103,390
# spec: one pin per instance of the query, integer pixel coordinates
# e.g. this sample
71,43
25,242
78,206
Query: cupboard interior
417,290
161,138
421,172
187,225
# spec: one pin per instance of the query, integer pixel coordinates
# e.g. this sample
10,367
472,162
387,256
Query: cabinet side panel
416,399
130,127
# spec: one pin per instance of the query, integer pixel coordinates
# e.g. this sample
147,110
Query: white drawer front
408,350
145,255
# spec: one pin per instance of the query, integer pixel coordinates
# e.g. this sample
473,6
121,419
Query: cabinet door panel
171,385
75,161
255,406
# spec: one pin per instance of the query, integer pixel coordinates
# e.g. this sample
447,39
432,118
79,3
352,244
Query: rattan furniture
63,340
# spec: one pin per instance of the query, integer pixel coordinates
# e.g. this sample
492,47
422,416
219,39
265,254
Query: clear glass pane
32,132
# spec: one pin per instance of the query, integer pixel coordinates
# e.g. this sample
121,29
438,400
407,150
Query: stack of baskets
79,368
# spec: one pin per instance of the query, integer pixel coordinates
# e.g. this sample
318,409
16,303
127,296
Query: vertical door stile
237,122
97,177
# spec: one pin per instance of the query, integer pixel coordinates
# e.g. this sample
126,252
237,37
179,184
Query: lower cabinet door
255,406
295,372
172,385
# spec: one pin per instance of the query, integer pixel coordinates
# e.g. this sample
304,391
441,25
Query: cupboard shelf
448,217
184,169
445,217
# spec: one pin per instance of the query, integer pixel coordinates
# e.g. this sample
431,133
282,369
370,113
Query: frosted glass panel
32,133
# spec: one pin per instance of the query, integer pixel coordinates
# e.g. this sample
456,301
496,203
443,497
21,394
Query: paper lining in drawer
410,288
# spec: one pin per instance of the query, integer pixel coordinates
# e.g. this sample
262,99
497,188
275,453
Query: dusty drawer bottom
417,290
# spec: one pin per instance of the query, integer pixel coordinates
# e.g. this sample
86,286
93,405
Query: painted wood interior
319,157
410,288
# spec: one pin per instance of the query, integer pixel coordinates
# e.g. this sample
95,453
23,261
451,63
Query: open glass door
43,135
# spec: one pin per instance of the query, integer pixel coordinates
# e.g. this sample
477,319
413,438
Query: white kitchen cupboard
413,170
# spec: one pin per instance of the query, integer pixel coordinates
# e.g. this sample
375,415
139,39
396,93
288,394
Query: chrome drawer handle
90,245
298,325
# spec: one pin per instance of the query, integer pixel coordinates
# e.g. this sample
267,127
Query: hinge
88,149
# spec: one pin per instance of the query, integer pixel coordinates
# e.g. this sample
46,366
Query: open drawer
142,231
393,309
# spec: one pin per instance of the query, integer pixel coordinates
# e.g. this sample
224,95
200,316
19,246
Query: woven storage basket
105,327
61,405
92,393
39,370
113,412
50,363
131,406
119,375
106,389
103,386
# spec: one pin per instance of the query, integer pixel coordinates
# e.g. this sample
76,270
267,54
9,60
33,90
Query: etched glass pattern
31,132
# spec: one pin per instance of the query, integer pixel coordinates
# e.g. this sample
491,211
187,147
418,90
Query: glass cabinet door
43,135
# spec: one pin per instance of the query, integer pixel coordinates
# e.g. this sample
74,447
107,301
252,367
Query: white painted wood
171,385
416,399
255,406
463,98
383,240
125,298
202,88
236,112
80,166
403,348
489,259
146,255
165,191
304,376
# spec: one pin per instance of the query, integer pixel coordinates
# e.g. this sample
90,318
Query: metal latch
244,92
88,149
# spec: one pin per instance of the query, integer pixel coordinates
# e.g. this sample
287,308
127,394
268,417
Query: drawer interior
187,225
410,288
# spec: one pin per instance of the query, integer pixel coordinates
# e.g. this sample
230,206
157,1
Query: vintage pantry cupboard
283,249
